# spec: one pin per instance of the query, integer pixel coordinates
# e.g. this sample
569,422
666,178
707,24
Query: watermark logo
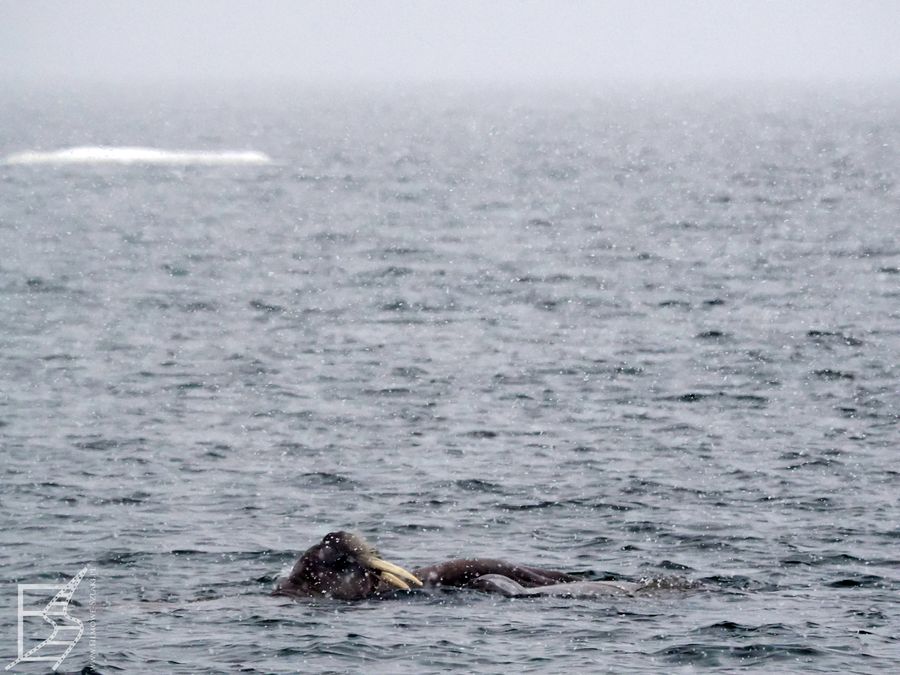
65,630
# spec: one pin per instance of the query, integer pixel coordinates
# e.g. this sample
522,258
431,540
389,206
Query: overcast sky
494,40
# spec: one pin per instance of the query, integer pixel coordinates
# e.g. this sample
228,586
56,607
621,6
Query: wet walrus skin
503,585
345,567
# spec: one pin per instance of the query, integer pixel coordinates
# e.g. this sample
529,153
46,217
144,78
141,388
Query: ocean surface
628,334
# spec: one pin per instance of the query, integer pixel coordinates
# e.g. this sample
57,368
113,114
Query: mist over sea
625,333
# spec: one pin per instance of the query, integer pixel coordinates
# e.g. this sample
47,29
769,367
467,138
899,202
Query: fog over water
503,41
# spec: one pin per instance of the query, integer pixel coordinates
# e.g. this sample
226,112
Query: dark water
630,337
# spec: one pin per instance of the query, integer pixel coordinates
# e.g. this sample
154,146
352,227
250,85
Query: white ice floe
135,155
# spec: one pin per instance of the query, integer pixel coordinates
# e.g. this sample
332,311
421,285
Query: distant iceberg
101,154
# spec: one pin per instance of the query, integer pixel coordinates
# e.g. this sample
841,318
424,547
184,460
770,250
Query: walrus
344,566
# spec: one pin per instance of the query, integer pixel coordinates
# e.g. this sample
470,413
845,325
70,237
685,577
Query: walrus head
345,567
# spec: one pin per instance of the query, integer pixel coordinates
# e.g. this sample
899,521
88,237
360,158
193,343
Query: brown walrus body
345,567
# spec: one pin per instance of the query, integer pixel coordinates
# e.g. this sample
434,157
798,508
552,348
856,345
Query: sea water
628,334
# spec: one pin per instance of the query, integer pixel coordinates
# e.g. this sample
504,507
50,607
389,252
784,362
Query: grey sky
497,40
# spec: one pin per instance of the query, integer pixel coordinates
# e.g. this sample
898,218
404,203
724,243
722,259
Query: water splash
100,154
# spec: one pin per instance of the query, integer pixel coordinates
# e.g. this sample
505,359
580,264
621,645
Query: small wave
100,154
327,479
861,581
713,655
478,485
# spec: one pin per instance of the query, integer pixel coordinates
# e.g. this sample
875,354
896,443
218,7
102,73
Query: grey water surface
628,335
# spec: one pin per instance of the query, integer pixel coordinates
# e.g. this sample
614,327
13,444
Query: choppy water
623,336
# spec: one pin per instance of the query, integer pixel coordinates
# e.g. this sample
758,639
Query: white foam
101,154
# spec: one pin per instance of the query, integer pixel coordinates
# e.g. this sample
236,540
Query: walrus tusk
394,581
395,570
